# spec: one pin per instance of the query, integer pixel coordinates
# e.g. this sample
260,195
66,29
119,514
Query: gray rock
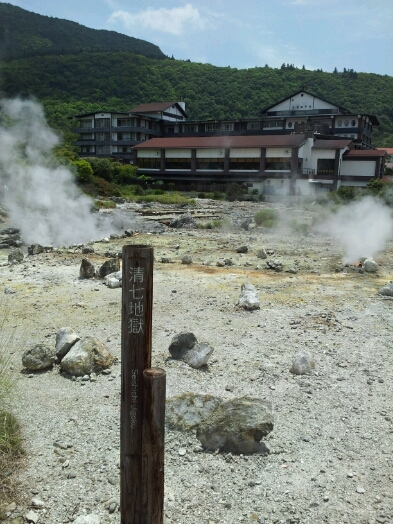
87,250
184,221
108,267
65,339
40,356
229,262
15,257
87,269
32,516
112,282
302,363
248,297
199,355
86,356
128,233
186,259
166,260
242,249
35,249
220,263
181,344
37,503
370,266
237,426
87,519
387,290
262,253
187,411
9,291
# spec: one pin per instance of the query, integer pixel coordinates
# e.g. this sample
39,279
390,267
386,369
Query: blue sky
355,34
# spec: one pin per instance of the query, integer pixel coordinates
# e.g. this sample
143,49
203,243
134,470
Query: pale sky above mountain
319,34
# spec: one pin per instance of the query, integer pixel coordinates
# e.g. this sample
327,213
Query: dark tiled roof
332,144
364,153
153,107
223,141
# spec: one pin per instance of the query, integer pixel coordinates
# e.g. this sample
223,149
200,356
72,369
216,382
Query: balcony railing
303,112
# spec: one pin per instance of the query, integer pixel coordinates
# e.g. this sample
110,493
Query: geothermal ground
330,452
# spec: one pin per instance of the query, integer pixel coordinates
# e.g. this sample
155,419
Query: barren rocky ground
330,452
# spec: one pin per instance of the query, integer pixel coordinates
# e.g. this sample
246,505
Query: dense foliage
23,33
69,84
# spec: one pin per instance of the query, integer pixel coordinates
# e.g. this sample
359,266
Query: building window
178,163
103,150
274,123
346,123
190,129
170,130
247,164
353,123
103,122
123,122
149,163
210,163
209,128
339,123
103,136
254,125
86,124
290,124
227,126
325,166
278,164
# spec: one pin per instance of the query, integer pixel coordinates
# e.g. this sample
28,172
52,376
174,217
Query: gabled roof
389,150
307,93
223,142
156,107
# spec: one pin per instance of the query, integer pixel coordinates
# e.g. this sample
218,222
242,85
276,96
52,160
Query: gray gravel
329,455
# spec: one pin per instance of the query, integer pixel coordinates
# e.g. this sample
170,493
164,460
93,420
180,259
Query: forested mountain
68,84
23,34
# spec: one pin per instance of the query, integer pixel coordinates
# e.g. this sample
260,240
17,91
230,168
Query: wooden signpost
142,412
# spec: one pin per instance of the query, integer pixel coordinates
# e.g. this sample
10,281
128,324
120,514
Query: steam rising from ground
39,194
361,228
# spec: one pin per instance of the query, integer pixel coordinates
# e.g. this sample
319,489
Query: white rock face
248,297
87,519
65,339
199,355
188,410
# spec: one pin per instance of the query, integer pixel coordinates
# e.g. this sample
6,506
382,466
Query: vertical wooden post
153,446
136,337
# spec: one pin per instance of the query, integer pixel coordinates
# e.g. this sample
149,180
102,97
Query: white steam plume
361,228
39,194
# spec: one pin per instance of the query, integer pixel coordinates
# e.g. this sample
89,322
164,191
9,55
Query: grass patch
215,224
104,204
11,449
266,217
300,227
166,198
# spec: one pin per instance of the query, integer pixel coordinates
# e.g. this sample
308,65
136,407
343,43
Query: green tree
84,171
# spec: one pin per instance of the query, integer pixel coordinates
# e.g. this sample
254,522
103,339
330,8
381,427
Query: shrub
125,174
104,204
266,217
104,187
235,192
84,171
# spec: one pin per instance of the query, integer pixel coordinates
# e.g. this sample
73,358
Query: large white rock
302,363
248,297
88,355
199,355
65,339
370,266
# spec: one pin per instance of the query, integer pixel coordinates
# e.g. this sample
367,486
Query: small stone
182,452
37,503
186,259
360,490
31,516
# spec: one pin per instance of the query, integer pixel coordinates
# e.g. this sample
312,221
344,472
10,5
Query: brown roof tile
223,141
364,153
153,107
331,144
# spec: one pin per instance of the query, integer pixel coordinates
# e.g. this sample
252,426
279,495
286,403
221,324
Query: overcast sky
355,34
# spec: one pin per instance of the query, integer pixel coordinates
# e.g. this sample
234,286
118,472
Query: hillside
25,34
82,70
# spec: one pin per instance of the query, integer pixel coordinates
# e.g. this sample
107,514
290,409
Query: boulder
40,356
87,269
237,426
370,266
387,290
88,355
302,363
87,250
199,355
15,257
35,249
187,411
183,221
112,282
181,344
248,297
186,259
262,253
110,266
65,339
242,249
